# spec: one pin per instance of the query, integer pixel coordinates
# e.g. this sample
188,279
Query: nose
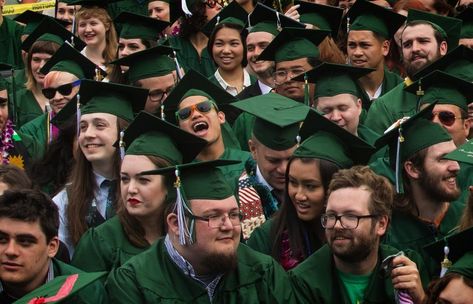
132,189
227,224
453,166
88,132
57,96
335,116
300,195
282,167
415,46
12,249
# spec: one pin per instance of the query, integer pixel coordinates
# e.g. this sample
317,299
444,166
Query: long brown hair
111,39
82,189
287,221
131,225
466,220
46,47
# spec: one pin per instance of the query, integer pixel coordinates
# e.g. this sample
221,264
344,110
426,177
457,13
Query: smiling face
92,31
227,49
353,245
98,134
38,60
25,254
365,50
256,43
305,189
66,12
204,125
143,195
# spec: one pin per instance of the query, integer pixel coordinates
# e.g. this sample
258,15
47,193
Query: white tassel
446,263
185,236
122,145
185,9
78,114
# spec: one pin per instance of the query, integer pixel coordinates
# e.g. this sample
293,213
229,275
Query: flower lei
6,141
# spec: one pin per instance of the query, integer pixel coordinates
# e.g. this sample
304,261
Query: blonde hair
111,38
52,76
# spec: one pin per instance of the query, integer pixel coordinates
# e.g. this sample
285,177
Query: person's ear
53,247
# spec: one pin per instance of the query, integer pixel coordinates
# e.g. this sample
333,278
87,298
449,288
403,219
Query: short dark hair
29,206
14,177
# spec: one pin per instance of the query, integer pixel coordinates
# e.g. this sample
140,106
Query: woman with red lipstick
140,219
295,232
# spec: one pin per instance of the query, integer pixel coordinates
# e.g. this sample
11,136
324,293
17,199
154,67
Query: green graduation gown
37,129
233,172
243,128
152,277
409,232
316,280
390,81
189,58
27,107
260,239
104,248
390,107
10,42
92,294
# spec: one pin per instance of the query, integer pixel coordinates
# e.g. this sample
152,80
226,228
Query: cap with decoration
294,43
116,99
149,135
407,136
334,79
266,19
33,19
195,84
323,139
152,62
50,30
277,119
458,62
61,288
136,26
200,180
443,88
367,16
68,59
233,13
467,26
450,250
324,17
449,27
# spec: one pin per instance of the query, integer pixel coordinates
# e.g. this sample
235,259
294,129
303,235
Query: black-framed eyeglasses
158,95
282,75
348,221
202,107
64,89
447,118
216,221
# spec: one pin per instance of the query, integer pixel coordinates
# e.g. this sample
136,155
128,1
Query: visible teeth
200,126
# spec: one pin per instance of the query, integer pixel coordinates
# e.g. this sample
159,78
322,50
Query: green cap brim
367,16
334,79
66,116
136,26
467,26
33,19
323,139
149,135
444,89
152,62
324,17
463,154
266,19
294,43
105,97
50,30
277,119
68,59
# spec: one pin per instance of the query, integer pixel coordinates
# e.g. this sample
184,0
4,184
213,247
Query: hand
407,277
293,13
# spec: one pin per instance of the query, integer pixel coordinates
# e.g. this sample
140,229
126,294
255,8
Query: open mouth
200,126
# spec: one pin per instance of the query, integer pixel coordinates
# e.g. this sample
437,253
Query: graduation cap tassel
306,91
185,9
279,26
400,139
419,94
298,140
446,263
178,66
348,24
185,236
163,115
122,145
78,114
98,76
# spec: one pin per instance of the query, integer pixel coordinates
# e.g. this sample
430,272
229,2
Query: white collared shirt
265,89
233,90
261,180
